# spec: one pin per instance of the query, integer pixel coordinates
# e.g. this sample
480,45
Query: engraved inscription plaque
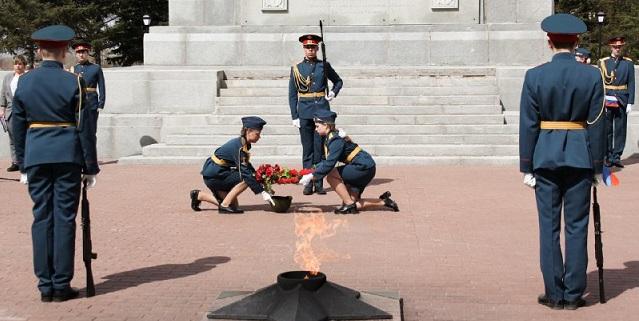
445,4
274,5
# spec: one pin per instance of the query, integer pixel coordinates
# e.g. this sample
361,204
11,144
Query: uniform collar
51,64
310,61
564,56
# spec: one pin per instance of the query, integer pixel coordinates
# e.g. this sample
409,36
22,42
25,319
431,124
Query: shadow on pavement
128,279
616,282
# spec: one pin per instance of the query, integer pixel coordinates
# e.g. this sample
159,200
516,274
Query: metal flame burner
296,297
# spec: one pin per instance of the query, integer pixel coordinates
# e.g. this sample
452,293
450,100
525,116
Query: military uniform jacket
561,90
93,78
50,94
312,81
233,155
618,72
6,97
337,149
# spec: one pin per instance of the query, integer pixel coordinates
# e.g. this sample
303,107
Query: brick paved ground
464,247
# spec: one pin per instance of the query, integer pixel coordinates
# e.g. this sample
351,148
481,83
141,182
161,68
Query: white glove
341,133
23,179
90,179
529,180
306,179
267,197
597,179
296,122
628,108
330,96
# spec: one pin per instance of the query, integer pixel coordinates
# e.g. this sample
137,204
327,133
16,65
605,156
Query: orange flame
307,228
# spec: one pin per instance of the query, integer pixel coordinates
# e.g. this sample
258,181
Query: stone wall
354,12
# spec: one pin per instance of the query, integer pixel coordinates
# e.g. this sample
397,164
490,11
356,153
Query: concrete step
364,72
353,129
389,80
341,110
164,150
343,120
294,139
295,161
367,91
372,100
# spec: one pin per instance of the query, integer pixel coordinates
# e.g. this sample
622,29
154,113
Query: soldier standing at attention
582,55
619,81
306,92
561,149
55,149
93,78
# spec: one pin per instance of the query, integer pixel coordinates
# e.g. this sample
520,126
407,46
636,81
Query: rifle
325,80
87,248
598,245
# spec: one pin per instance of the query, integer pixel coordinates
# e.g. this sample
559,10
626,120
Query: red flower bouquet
268,174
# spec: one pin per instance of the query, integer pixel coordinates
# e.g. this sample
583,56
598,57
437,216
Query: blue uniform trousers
616,124
312,143
55,191
569,187
356,177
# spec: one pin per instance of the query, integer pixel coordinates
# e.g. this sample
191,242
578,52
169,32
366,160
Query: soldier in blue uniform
307,94
561,149
350,179
228,172
56,151
619,81
93,78
582,55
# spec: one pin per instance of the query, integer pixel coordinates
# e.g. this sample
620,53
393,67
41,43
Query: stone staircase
425,115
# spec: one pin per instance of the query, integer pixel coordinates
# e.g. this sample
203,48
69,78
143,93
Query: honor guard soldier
348,180
561,149
56,151
93,78
582,55
228,172
619,81
306,91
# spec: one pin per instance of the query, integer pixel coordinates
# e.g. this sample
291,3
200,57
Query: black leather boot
308,189
347,209
319,187
195,204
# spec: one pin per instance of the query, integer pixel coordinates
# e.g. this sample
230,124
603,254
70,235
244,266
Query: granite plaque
274,5
445,4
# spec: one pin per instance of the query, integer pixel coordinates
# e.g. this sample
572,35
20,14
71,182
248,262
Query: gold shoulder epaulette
629,59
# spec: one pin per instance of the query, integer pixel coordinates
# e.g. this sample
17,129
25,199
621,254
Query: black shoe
319,188
46,297
618,164
195,204
391,204
229,210
347,209
308,189
64,295
388,202
13,168
574,305
386,195
544,300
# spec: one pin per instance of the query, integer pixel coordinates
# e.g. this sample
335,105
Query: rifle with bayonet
87,247
596,212
323,46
